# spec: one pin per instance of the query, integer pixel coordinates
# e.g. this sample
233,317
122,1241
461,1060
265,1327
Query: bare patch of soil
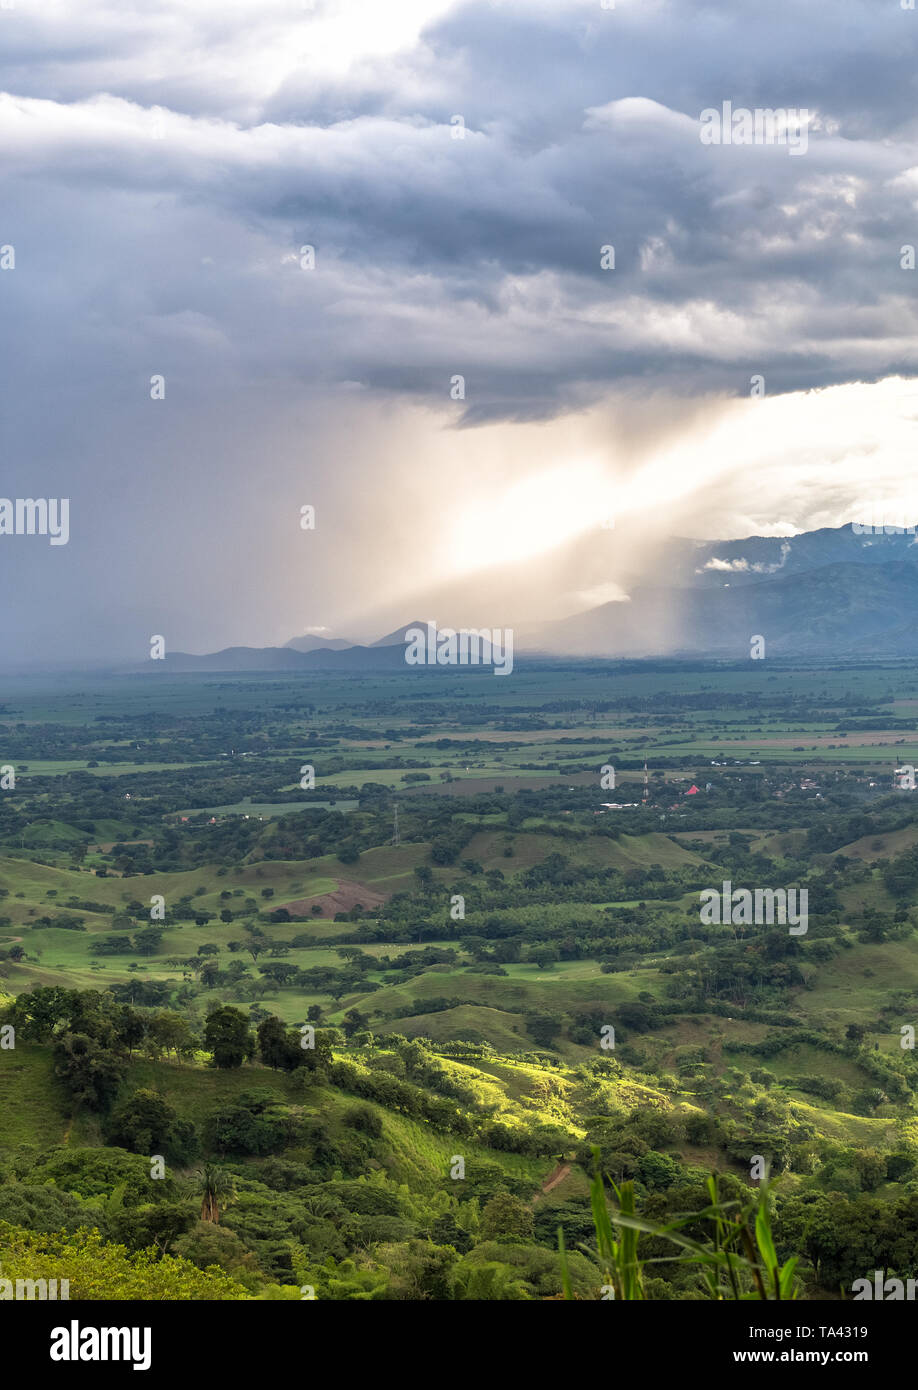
347,895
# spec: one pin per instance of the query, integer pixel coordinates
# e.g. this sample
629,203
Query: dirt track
553,1179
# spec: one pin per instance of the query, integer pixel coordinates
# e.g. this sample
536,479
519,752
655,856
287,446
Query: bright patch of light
531,517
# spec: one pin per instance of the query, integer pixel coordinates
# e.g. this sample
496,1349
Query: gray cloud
435,256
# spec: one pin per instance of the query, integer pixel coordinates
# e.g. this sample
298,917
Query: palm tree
217,1188
320,1205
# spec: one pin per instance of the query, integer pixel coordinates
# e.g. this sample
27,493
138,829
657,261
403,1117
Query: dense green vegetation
266,1045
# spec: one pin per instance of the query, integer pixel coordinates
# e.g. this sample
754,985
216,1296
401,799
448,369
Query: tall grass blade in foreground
737,1261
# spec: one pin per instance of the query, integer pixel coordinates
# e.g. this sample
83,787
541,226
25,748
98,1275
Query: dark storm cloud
164,166
581,131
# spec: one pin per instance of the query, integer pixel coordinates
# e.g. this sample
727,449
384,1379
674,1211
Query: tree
418,1269
279,1048
870,1168
208,1245
91,1073
505,1217
227,1036
146,1123
490,1282
354,1021
141,1123
543,1027
657,1171
631,1014
218,1188
39,1014
280,972
146,941
96,1270
167,1031
253,1124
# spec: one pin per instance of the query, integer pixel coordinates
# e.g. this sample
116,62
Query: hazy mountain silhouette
831,592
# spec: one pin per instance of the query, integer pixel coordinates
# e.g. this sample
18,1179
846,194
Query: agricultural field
494,953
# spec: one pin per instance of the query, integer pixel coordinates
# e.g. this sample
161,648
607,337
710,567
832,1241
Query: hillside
504,963
345,1180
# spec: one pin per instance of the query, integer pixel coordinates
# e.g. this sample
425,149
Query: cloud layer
458,170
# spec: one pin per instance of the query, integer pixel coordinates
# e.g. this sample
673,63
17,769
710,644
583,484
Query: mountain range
833,592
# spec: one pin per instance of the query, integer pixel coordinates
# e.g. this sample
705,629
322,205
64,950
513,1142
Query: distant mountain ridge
836,610
750,560
285,659
829,592
310,643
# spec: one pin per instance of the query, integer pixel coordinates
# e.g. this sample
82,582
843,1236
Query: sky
350,257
